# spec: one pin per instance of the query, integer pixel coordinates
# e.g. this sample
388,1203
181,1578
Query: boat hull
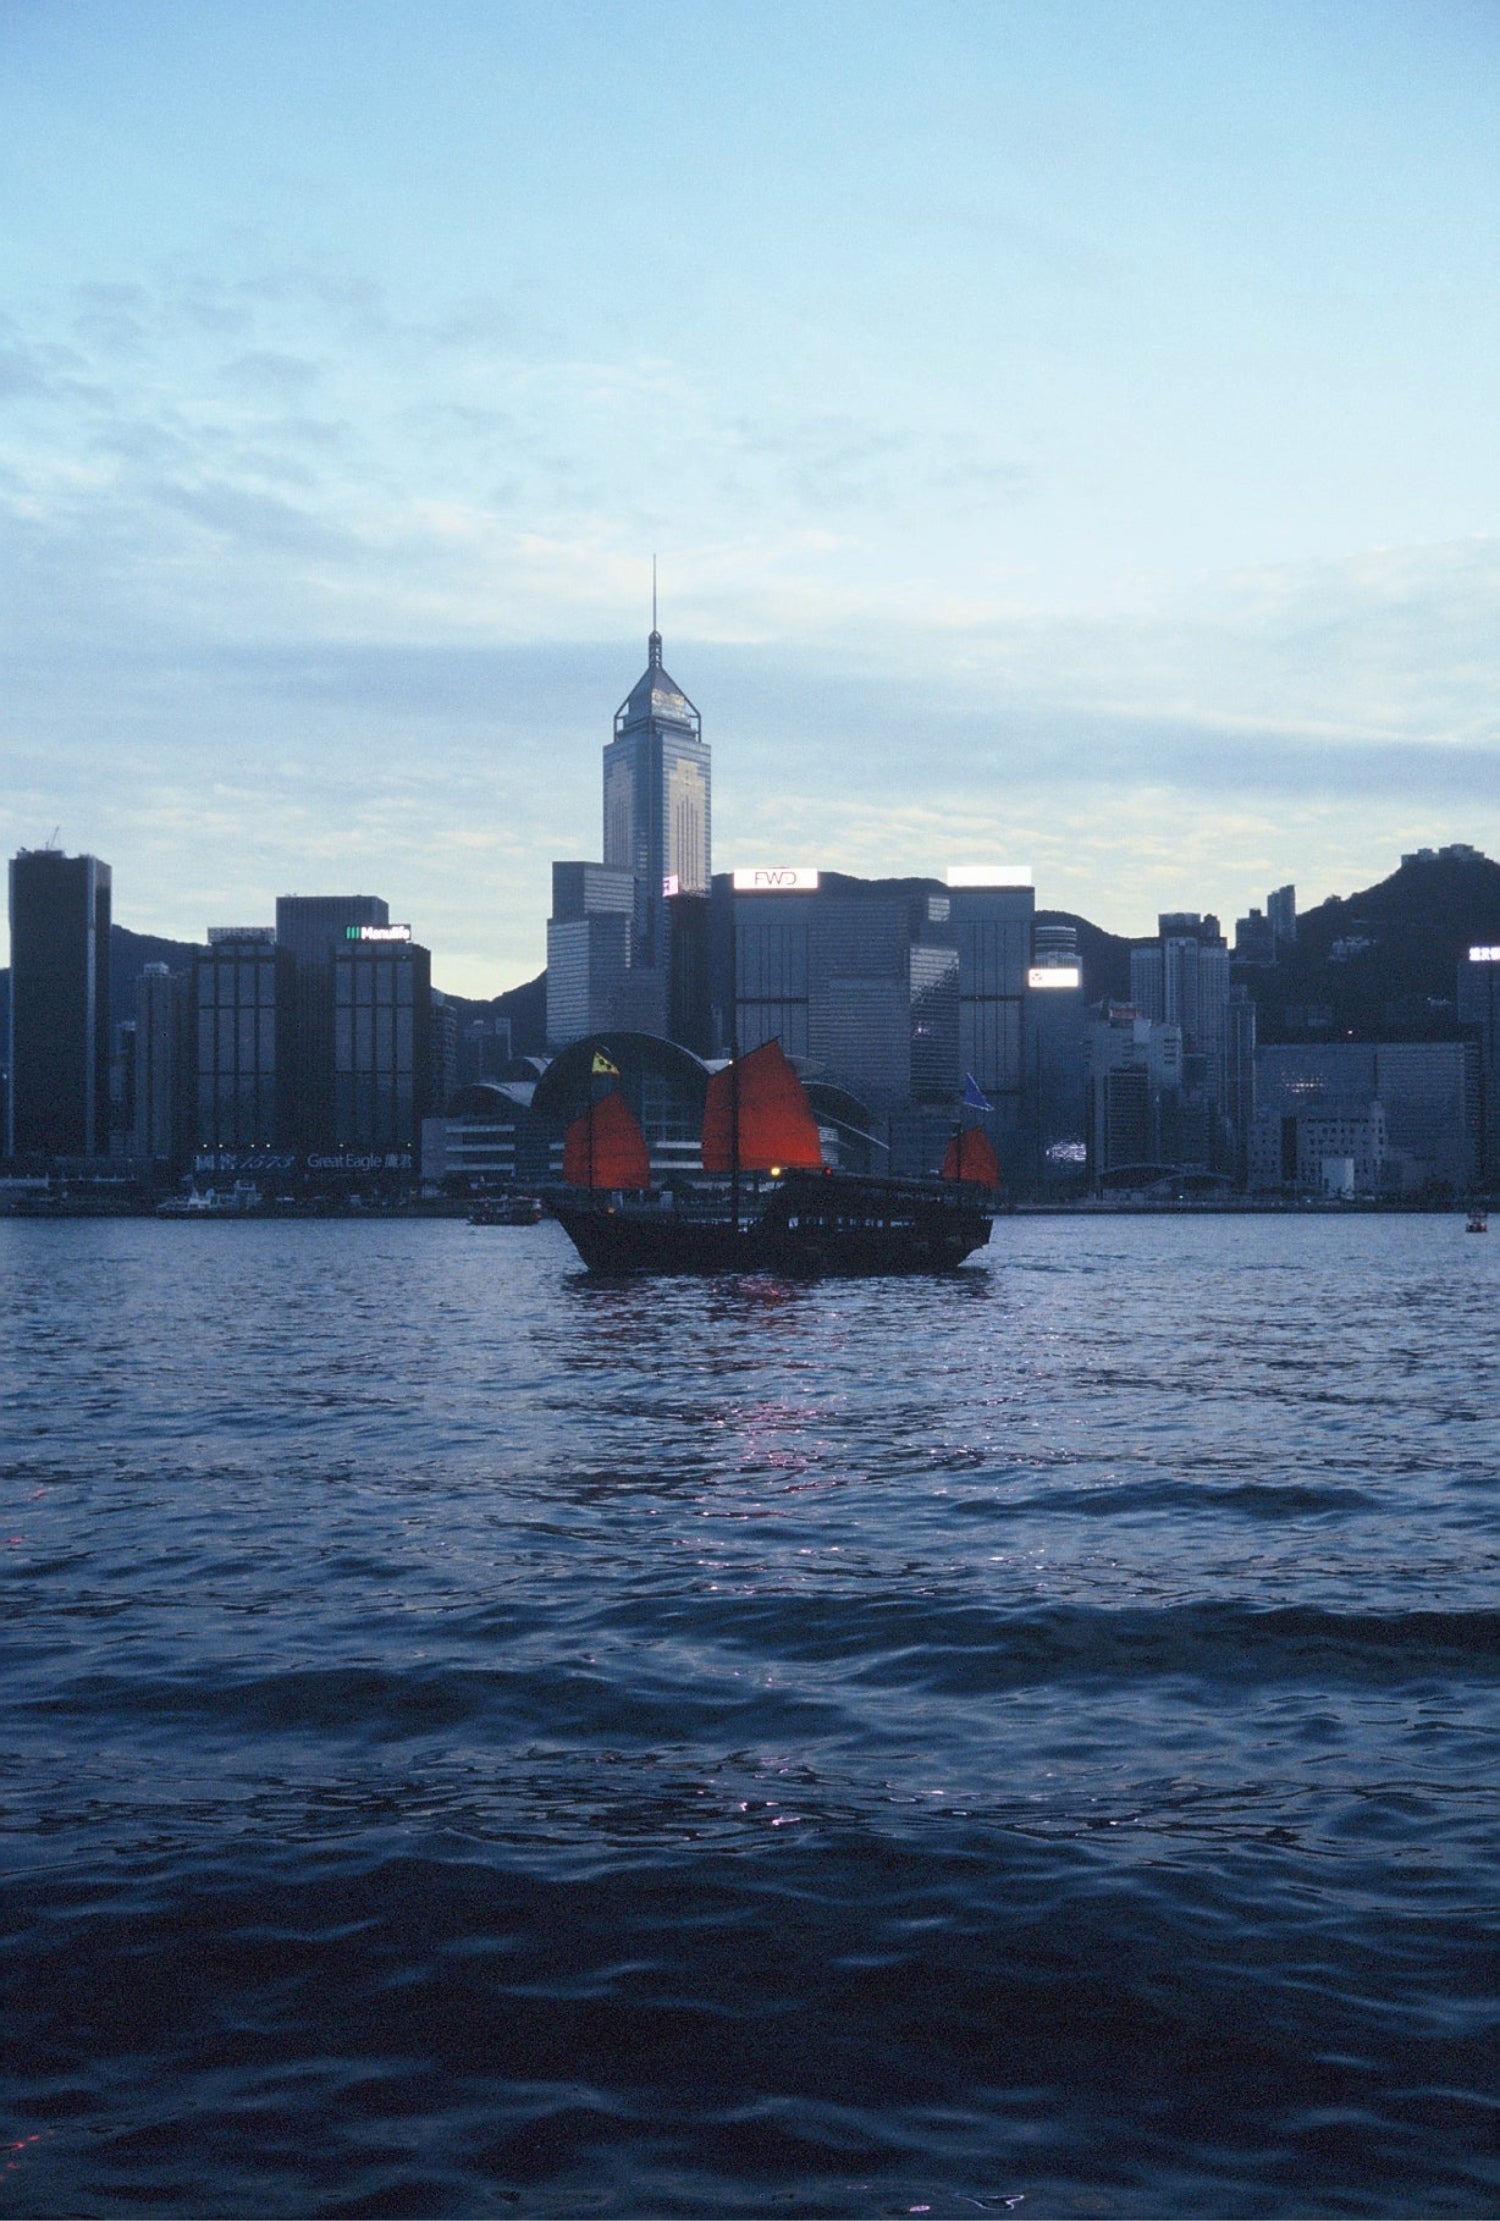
806,1228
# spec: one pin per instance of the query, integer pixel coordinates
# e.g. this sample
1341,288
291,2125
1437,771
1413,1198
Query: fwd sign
776,879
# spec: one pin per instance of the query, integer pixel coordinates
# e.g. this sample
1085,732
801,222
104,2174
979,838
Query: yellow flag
602,1068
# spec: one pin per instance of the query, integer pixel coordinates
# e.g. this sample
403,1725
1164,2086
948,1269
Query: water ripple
485,1741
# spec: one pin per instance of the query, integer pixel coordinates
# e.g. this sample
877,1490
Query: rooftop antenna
655,643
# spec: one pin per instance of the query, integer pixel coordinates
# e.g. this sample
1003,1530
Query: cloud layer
312,592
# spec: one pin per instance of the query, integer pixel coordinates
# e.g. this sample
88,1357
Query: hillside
526,1008
1381,964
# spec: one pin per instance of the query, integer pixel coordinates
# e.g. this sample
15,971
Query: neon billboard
989,875
776,879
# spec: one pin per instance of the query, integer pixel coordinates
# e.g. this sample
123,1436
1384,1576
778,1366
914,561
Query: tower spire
653,645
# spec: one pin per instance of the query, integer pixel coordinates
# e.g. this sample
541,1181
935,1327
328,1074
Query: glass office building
1479,1011
244,1018
657,805
1182,979
382,1055
858,977
992,916
59,1005
1054,1032
590,949
992,930
771,936
159,1066
311,930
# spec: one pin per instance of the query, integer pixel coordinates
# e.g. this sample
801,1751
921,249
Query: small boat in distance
235,1202
507,1210
766,1201
1479,1219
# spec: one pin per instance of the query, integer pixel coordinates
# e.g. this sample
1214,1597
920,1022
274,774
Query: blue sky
1068,434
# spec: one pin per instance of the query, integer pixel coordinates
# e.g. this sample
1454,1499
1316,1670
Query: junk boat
767,1202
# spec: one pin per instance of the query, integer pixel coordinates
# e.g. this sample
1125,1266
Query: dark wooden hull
807,1226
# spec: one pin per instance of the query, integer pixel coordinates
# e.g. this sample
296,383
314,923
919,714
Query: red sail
971,1156
777,1127
605,1148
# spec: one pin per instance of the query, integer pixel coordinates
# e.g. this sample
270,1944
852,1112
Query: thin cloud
425,587
264,370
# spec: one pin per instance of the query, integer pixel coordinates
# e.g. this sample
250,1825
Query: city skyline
317,1052
1065,441
993,871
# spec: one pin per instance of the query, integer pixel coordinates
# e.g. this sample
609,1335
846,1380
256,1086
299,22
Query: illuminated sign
777,879
245,1160
1054,975
1484,956
285,1160
351,1160
671,885
989,875
377,933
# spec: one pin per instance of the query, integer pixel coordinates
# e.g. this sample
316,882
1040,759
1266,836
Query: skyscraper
1479,1009
245,1026
1239,1077
1182,979
1134,1072
382,1042
59,1005
1055,1047
993,913
1281,916
656,799
858,975
590,944
312,930
159,1065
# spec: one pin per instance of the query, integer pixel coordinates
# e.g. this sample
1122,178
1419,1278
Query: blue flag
974,1098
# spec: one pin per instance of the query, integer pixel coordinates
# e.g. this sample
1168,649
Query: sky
1067,433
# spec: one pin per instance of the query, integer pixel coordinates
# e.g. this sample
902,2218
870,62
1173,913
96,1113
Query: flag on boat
602,1069
761,1099
605,1148
971,1156
974,1095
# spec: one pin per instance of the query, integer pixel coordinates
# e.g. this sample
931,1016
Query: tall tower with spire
656,797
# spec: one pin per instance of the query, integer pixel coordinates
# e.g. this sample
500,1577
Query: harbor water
486,1740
